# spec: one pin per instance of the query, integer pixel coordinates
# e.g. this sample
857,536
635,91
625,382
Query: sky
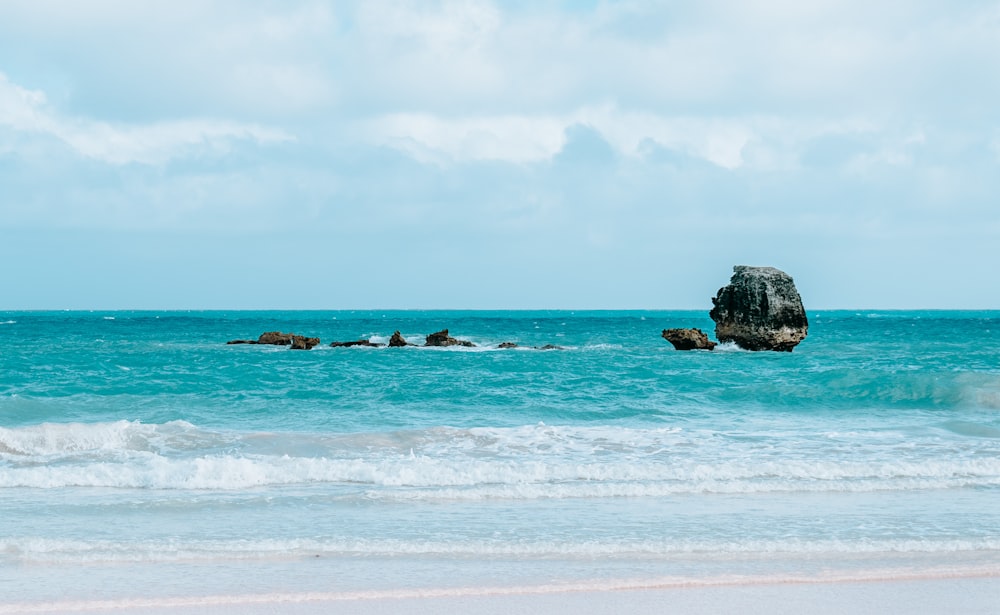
469,154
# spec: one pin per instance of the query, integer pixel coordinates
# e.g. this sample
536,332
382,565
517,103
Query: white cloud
310,60
27,111
520,139
443,28
690,58
826,128
177,58
428,138
20,107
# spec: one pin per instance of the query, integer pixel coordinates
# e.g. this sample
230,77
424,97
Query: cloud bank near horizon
573,154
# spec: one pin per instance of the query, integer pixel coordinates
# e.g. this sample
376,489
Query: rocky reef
277,338
441,338
366,343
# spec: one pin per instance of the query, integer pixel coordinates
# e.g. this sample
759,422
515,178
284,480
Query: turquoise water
137,449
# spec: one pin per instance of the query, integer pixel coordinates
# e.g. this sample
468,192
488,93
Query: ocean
140,455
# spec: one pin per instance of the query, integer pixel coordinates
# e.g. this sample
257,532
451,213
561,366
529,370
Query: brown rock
688,339
397,341
507,345
441,338
300,342
276,338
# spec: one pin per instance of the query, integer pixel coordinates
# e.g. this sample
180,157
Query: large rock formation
688,339
441,338
760,309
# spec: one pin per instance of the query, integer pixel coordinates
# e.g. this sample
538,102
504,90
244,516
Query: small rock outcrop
688,339
441,338
507,345
356,343
398,341
277,338
301,342
760,309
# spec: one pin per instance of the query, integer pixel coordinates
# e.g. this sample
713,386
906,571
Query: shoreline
927,592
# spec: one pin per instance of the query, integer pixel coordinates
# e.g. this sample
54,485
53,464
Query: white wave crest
407,477
49,440
728,347
44,550
528,462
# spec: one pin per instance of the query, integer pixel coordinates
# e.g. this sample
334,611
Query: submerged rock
545,347
441,338
397,341
356,343
688,339
760,309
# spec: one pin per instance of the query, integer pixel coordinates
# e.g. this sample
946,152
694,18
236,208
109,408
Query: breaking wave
530,462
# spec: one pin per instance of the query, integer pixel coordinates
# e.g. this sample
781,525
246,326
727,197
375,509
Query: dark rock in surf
367,343
441,338
397,341
760,309
688,339
545,347
277,338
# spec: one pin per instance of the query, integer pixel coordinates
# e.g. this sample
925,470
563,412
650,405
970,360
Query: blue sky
470,154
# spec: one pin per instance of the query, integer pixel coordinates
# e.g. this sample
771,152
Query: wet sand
910,596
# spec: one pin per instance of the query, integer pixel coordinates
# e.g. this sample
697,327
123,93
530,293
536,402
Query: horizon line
475,309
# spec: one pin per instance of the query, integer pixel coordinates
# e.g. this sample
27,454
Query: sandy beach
911,596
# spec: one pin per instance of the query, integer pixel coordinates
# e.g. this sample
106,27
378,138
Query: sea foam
43,550
530,462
